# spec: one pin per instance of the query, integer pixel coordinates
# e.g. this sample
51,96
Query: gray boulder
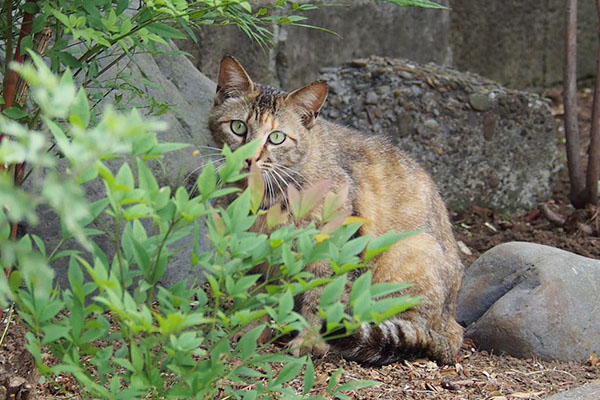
483,144
586,392
527,299
175,82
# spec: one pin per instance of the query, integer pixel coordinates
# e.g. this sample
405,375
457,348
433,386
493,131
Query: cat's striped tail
398,339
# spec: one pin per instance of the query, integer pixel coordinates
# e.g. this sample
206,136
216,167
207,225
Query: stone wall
517,43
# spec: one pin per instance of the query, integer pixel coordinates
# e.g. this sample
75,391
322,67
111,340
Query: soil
476,374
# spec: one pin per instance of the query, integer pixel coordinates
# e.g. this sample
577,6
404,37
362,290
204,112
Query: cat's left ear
309,99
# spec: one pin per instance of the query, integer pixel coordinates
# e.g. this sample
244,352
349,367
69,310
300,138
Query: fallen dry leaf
523,395
594,359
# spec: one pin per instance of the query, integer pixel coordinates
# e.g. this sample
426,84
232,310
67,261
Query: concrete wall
519,43
364,27
515,42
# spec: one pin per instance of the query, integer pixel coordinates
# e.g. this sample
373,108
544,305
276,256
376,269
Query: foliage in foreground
115,329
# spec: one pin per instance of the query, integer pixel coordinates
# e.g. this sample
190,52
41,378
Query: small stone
415,90
359,62
480,101
405,124
333,114
379,71
371,98
489,126
463,248
429,129
493,181
406,75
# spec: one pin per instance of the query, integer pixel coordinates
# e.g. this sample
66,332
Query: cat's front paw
306,343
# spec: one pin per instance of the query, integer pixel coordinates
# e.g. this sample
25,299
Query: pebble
359,62
371,98
480,101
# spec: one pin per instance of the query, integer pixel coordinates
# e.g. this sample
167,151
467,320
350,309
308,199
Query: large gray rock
527,299
586,392
175,82
483,144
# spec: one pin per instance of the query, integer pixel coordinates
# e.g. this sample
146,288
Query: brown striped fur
387,188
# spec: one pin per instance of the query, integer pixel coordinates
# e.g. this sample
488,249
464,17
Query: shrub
115,329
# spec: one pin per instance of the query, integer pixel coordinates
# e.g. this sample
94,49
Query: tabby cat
387,188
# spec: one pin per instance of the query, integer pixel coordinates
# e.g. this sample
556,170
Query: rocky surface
484,144
526,299
585,392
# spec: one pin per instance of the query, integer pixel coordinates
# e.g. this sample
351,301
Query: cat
386,188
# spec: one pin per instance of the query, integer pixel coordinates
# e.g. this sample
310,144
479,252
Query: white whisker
294,180
276,177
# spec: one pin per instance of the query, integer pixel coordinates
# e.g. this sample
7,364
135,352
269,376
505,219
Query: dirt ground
476,374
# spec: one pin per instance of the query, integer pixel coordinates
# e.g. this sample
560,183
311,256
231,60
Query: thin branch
576,177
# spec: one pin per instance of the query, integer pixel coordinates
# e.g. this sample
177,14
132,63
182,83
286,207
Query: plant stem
8,321
576,177
155,264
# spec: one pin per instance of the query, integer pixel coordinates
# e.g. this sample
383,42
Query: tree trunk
593,167
574,163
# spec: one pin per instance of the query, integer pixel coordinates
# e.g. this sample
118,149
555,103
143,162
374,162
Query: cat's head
282,122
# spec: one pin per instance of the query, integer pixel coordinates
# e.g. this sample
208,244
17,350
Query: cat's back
392,191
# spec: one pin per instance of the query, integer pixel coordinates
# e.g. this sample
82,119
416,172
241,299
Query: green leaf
384,242
26,44
288,372
147,181
333,291
417,3
15,280
333,204
125,176
256,185
334,379
356,385
14,113
54,332
39,22
286,305
246,6
68,60
309,376
162,148
207,181
165,31
140,255
30,8
80,110
248,343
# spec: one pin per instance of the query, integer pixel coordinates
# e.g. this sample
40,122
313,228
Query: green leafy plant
116,329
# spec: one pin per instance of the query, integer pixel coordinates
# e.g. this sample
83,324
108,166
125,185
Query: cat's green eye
239,127
277,137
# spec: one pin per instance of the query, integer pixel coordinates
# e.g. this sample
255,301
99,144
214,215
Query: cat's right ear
233,80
